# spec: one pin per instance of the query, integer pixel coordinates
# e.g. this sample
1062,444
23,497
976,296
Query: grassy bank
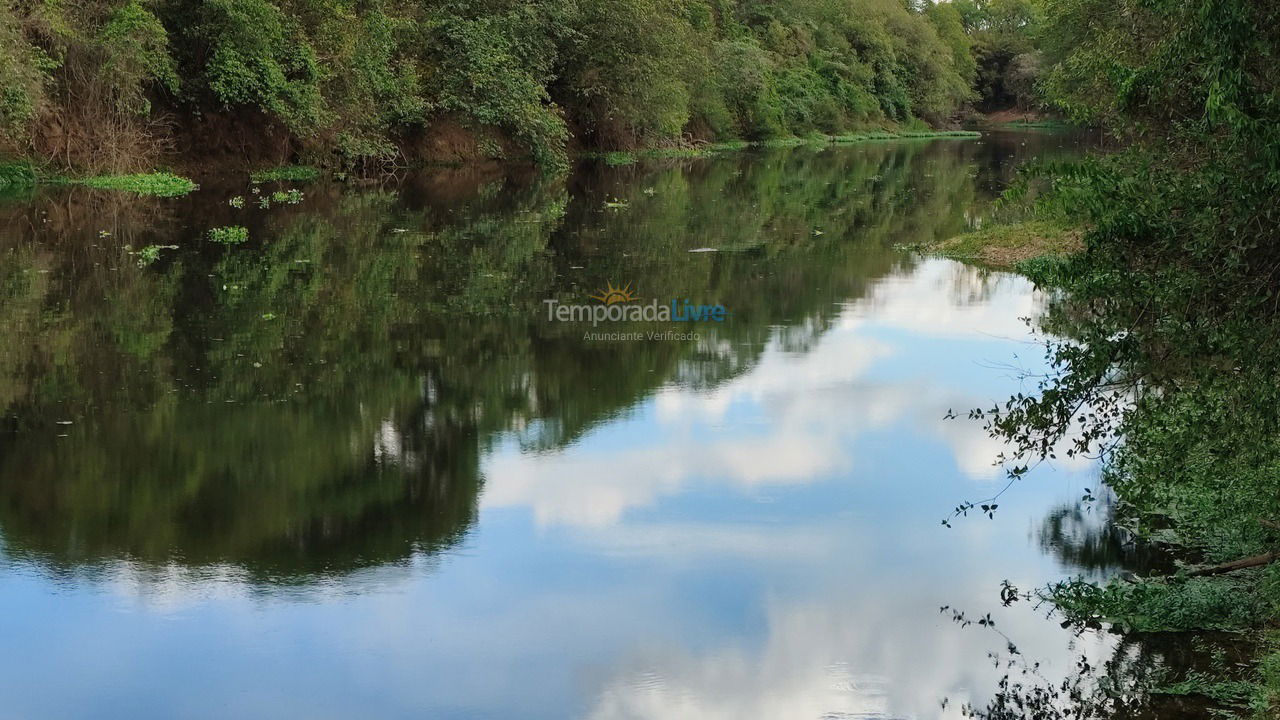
1008,247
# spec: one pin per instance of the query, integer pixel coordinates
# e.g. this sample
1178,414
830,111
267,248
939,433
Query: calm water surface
348,469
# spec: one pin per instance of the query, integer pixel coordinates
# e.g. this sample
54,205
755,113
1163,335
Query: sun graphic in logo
611,295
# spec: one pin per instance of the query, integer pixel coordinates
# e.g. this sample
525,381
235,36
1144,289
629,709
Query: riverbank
1013,119
627,157
1009,246
1193,467
23,174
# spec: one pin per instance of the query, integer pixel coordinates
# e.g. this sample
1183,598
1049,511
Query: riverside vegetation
1167,313
1168,362
116,86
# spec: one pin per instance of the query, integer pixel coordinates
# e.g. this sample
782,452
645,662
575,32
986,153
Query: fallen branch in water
1255,561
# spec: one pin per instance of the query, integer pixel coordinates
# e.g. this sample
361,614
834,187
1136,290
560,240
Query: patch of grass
1011,246
292,173
159,184
229,235
619,157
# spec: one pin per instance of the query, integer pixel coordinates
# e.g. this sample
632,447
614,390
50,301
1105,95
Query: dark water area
352,468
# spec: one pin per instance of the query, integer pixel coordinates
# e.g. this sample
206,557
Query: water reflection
1086,539
352,466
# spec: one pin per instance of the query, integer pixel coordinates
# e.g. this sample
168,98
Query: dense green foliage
1006,40
108,85
1171,312
16,175
1169,366
1193,604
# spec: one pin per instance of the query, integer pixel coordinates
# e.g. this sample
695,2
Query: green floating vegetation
291,173
677,152
626,157
159,184
782,142
229,235
903,135
292,196
151,253
618,157
1037,125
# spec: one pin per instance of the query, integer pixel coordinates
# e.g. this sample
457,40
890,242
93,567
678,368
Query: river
357,467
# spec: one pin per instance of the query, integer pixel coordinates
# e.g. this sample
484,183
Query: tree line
106,84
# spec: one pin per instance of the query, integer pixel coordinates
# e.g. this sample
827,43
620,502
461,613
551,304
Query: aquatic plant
293,173
150,253
229,235
287,197
158,184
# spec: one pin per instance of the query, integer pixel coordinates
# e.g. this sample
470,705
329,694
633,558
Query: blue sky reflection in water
753,534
